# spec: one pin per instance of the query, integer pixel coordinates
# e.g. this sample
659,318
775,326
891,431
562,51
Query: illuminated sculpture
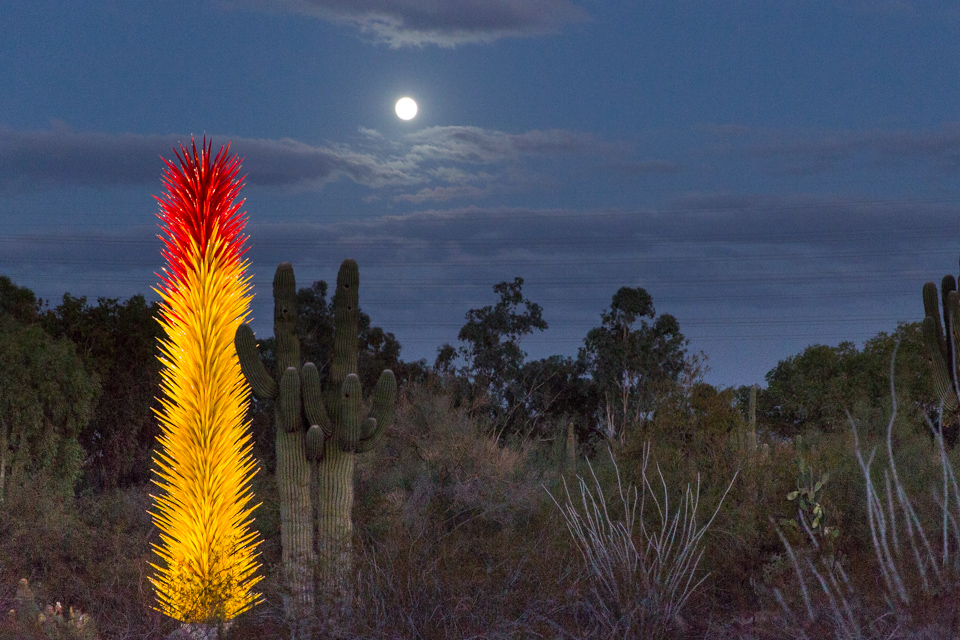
205,464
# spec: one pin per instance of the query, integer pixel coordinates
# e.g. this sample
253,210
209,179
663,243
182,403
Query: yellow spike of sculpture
207,546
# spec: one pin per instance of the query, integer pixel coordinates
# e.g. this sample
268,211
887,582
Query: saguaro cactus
325,444
293,471
942,340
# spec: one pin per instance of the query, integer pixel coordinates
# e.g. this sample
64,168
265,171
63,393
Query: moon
406,108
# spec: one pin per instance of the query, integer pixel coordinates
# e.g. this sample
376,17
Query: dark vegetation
458,534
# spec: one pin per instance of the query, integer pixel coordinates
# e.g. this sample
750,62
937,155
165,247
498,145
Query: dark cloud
63,156
446,23
816,152
432,164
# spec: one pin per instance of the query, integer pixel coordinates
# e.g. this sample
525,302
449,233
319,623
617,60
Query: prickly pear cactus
324,446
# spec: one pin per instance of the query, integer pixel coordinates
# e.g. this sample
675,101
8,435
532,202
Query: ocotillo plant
942,340
328,443
204,463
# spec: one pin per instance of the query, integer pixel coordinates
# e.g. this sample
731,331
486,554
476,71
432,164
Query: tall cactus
293,471
325,446
942,340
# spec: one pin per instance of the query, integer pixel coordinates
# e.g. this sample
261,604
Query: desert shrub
641,564
909,586
89,553
455,533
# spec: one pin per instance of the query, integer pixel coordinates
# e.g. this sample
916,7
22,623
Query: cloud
763,273
446,23
432,164
63,156
818,152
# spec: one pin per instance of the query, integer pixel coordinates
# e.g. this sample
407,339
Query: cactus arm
264,387
931,308
313,404
947,285
346,317
288,404
384,398
313,443
348,432
953,337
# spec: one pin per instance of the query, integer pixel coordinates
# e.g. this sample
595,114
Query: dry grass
456,538
637,592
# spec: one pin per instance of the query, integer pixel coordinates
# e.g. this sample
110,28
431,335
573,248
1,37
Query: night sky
775,173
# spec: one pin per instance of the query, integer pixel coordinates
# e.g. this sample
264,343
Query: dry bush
456,537
909,588
90,553
640,574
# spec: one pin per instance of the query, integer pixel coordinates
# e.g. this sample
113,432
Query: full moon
406,108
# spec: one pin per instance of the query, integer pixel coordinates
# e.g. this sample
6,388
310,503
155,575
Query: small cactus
51,620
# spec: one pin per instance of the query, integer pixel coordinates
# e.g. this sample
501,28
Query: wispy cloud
61,155
741,266
446,23
432,164
806,152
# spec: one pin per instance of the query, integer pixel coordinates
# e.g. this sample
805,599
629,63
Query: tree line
80,380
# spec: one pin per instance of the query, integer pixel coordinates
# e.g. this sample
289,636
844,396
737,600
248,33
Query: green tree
698,415
118,341
46,400
19,302
629,363
815,389
494,360
558,391
810,390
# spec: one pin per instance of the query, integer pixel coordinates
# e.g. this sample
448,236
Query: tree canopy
118,341
46,401
628,361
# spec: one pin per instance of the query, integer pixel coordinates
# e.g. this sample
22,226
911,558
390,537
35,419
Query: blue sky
775,173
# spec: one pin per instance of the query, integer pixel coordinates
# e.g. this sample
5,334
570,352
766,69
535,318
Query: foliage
46,400
118,341
378,349
628,362
19,302
555,392
813,389
914,564
494,369
637,590
807,499
50,621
